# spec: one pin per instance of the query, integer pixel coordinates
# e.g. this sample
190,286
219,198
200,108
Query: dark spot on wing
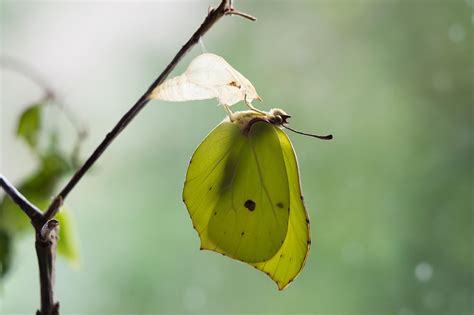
210,188
280,205
234,84
215,213
309,242
242,233
307,220
250,204
301,197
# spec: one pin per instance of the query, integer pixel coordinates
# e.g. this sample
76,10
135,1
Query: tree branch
225,8
28,208
46,244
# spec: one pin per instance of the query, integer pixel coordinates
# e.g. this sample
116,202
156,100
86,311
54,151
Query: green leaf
29,125
67,244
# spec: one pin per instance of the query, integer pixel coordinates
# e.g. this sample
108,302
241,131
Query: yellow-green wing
237,193
290,259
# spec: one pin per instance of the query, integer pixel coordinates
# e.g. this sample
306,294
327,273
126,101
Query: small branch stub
49,232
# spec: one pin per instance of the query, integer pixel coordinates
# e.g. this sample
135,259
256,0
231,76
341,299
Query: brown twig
46,243
232,11
28,208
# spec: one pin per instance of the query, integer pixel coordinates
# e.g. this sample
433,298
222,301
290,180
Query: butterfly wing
237,193
290,259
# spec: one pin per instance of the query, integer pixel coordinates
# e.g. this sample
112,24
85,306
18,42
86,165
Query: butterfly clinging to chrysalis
242,187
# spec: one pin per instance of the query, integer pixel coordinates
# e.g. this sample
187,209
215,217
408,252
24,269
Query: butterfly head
278,116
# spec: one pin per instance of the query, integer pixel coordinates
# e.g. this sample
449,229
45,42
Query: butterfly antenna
327,137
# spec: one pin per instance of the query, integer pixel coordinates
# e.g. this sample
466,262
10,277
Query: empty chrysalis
207,76
243,194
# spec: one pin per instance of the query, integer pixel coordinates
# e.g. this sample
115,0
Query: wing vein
262,182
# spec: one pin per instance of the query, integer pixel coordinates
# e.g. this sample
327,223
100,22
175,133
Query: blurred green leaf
29,125
67,245
5,252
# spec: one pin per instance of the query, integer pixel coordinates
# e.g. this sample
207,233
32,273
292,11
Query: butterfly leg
249,105
229,112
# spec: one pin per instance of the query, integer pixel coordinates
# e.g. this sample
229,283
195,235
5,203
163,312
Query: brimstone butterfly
243,194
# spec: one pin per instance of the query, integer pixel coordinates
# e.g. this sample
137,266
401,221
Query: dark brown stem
213,16
46,243
28,208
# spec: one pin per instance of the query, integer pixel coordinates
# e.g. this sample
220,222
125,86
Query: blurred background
390,198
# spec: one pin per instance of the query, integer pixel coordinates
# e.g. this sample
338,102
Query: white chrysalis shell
208,76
